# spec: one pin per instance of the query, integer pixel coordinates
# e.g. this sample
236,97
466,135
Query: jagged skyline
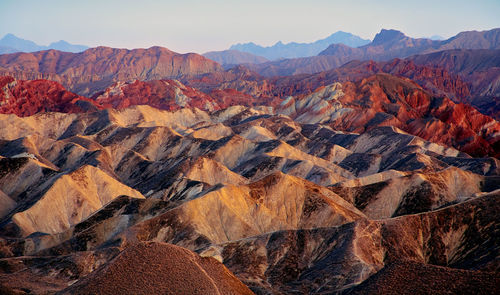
201,26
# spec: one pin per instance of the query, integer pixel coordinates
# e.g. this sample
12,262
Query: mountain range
10,44
148,171
386,45
234,57
94,69
293,49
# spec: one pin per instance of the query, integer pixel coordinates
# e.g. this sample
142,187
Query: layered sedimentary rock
286,201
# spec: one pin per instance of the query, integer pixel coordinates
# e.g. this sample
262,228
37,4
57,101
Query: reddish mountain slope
294,66
239,78
386,100
437,80
161,94
26,98
434,79
480,68
173,95
383,99
96,68
231,97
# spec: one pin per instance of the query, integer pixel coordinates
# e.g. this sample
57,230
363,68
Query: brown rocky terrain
158,268
417,278
376,100
287,203
162,94
435,79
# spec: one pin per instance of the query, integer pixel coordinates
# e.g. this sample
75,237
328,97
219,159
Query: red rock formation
387,100
161,94
480,68
239,78
173,95
26,98
434,79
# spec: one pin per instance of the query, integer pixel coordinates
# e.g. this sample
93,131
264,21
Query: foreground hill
96,68
286,202
159,268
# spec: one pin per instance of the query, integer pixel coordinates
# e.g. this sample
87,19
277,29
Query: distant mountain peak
10,36
16,44
60,42
293,49
388,36
437,37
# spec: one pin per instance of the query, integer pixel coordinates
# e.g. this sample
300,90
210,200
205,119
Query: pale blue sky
200,26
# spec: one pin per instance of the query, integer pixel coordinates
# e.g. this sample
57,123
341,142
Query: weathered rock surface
285,201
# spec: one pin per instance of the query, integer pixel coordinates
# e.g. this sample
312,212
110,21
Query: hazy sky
200,26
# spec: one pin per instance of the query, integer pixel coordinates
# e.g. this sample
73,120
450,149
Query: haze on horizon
200,26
